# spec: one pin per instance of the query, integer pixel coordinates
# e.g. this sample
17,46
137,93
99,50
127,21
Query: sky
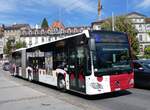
70,12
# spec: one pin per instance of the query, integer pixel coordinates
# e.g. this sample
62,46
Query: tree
20,44
149,33
8,48
44,24
147,50
11,45
122,24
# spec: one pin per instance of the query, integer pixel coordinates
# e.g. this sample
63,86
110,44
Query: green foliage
147,51
149,33
6,50
44,24
20,44
11,45
146,56
122,24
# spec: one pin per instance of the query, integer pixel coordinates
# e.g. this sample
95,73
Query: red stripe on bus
120,82
99,79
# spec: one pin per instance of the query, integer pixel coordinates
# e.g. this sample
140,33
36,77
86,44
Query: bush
147,50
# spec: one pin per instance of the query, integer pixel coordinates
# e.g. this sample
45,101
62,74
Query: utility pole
126,6
99,9
113,22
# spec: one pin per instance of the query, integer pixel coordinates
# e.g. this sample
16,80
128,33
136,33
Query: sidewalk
15,96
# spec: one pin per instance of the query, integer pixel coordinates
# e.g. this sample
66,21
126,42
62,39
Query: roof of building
78,27
147,20
129,14
57,24
99,22
21,25
136,13
16,26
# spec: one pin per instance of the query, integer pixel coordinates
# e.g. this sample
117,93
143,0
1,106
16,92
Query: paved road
19,94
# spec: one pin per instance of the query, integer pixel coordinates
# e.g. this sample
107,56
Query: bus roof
17,50
115,32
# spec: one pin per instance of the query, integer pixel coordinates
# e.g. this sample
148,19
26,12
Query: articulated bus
91,63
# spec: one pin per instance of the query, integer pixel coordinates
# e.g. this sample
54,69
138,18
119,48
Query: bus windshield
111,58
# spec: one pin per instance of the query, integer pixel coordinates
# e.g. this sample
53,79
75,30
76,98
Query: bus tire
61,84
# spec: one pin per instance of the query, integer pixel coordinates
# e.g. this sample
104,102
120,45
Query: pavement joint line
8,87
2,79
22,99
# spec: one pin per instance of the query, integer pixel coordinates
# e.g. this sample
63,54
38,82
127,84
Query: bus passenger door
76,69
35,68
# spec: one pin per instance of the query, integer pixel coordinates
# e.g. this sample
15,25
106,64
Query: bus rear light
96,86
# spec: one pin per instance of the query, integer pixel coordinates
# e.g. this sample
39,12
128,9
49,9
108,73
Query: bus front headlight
96,86
131,81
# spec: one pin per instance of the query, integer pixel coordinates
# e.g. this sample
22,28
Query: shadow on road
102,96
94,97
144,88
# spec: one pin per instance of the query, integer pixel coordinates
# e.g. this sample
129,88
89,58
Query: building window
30,43
49,39
135,20
140,25
36,40
42,39
140,38
99,27
147,46
141,20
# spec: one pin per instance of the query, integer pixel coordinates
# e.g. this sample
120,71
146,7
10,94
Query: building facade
14,32
142,25
56,31
1,40
34,36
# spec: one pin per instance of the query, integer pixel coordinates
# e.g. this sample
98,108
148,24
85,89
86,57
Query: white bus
91,62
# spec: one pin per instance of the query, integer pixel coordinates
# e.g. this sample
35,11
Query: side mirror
92,44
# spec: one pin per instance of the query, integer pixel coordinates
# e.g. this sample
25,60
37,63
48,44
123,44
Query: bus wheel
61,85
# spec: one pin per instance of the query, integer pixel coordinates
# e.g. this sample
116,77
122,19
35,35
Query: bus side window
59,60
80,56
72,58
82,59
